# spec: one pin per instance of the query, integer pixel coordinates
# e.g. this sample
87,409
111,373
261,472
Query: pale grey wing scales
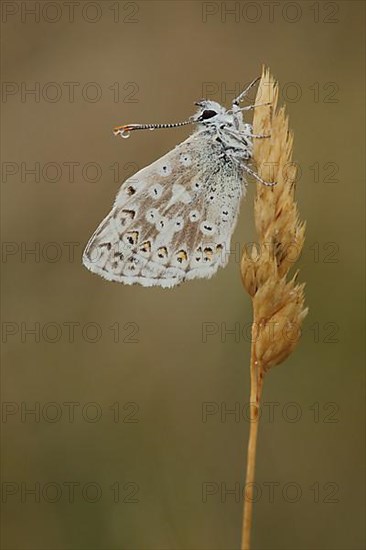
171,221
109,252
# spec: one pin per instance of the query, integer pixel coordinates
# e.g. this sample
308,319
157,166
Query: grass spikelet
278,301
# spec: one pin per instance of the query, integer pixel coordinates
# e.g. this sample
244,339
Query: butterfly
173,220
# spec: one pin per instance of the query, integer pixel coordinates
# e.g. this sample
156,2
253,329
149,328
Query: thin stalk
256,385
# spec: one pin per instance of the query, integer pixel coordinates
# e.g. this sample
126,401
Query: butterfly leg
257,177
251,107
258,136
248,132
245,92
245,167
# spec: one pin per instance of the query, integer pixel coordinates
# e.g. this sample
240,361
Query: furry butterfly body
173,220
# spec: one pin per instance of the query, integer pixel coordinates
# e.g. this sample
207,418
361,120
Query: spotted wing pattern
172,221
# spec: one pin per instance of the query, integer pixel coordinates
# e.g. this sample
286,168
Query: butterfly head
208,111
211,113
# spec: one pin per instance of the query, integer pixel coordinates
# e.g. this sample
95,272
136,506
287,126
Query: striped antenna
124,131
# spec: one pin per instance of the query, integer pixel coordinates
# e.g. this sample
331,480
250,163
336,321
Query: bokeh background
131,444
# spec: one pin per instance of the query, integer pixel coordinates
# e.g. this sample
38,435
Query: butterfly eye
207,113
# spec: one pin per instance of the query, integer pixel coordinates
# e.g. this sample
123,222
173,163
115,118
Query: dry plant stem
256,385
278,302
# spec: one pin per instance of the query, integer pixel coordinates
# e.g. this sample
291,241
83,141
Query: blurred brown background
121,452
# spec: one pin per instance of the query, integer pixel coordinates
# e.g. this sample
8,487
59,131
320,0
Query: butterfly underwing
173,220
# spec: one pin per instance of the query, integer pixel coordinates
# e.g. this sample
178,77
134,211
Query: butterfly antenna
124,131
